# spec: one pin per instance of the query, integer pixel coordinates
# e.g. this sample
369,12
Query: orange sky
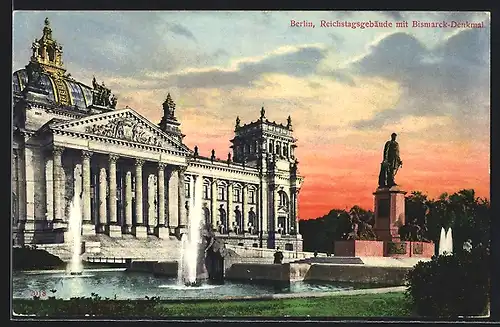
346,89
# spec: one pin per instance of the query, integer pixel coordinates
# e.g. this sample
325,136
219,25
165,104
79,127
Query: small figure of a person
278,256
315,253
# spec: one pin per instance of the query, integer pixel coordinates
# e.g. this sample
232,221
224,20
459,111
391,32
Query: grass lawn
366,305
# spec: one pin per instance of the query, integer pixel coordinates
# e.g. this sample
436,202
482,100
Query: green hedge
450,286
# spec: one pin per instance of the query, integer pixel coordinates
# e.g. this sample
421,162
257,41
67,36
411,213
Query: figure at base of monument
390,164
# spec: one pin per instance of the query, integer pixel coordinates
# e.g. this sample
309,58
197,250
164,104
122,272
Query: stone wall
252,252
252,272
166,269
142,266
360,248
390,276
259,272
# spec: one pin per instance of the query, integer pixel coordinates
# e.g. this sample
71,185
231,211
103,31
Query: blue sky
346,89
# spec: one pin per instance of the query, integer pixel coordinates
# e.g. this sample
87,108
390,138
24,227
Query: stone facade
136,177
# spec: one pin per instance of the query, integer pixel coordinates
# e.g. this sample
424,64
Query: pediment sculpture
126,129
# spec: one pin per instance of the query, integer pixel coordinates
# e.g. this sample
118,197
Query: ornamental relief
125,129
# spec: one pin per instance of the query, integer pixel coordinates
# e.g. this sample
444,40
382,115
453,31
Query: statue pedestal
389,212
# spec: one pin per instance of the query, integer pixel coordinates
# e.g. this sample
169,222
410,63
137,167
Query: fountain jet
449,241
75,230
445,242
191,243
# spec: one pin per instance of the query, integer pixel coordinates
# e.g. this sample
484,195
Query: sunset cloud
346,90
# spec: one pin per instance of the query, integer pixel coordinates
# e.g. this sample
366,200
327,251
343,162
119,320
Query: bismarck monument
389,209
389,197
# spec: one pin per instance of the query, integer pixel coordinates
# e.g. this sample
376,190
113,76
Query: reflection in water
127,285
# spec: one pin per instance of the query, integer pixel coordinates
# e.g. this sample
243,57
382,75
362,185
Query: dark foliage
27,258
319,234
467,215
451,286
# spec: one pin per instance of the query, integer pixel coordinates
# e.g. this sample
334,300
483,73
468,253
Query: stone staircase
128,246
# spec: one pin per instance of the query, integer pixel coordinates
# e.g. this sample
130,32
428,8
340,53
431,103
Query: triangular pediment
282,210
125,124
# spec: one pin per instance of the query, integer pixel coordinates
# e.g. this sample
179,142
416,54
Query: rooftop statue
101,95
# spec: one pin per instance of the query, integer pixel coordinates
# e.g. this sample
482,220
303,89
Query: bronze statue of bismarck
390,163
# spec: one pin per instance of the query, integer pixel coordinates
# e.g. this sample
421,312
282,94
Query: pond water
120,284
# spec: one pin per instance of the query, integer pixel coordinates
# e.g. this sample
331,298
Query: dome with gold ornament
45,75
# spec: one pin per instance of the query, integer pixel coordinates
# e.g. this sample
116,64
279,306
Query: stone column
296,212
151,203
113,229
182,199
88,228
161,231
128,203
213,203
57,188
173,198
139,230
276,201
49,187
230,209
103,217
263,213
244,206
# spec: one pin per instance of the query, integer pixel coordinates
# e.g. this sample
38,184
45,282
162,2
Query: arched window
285,150
278,148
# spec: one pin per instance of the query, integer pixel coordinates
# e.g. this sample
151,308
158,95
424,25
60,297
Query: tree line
466,214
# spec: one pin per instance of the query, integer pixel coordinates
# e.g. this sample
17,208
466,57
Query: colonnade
131,195
164,189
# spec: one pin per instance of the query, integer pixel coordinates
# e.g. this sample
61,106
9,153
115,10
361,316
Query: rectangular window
186,190
251,197
205,191
236,195
220,193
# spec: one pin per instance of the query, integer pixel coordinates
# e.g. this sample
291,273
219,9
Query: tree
416,209
466,214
